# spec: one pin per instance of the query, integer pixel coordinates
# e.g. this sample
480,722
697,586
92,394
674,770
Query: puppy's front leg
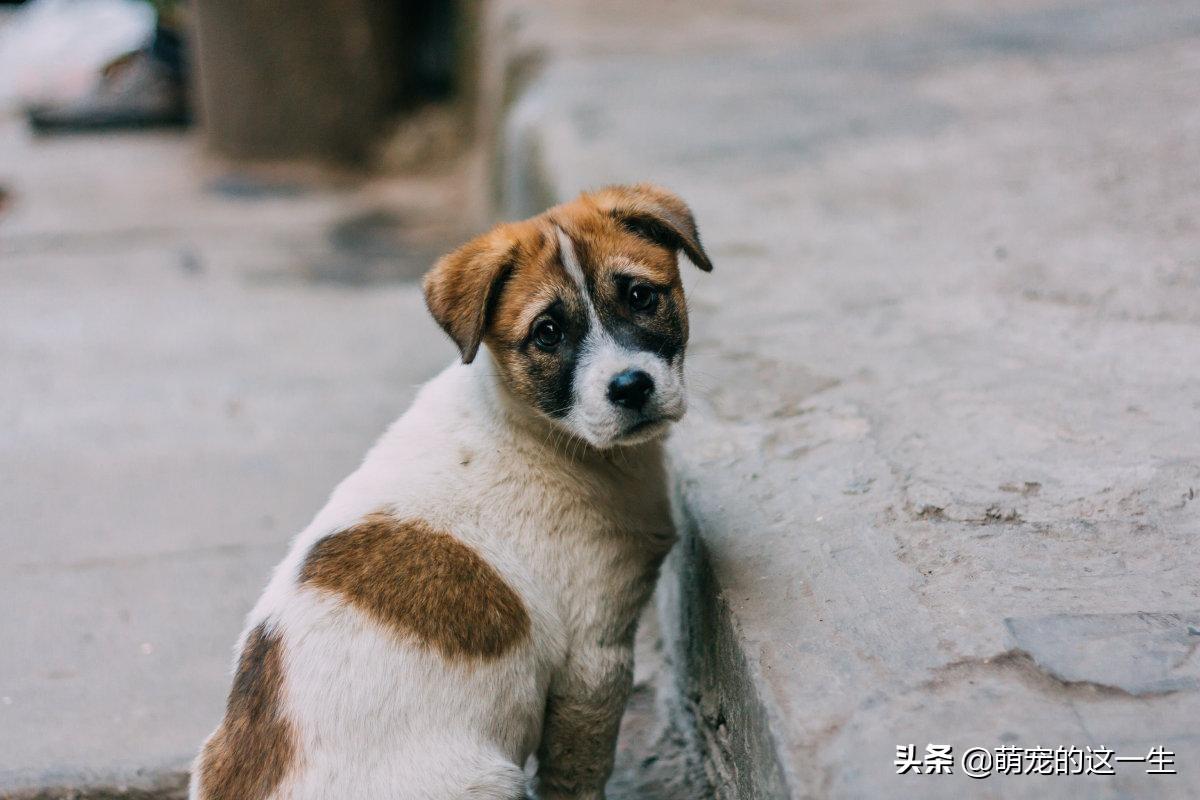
583,713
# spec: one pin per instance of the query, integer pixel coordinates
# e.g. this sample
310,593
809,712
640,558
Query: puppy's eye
547,334
642,297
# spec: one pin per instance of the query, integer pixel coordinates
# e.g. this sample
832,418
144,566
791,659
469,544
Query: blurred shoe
138,90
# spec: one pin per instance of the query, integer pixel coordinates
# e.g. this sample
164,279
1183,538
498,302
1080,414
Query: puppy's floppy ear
656,214
462,288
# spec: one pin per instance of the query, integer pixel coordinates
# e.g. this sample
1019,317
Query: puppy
468,597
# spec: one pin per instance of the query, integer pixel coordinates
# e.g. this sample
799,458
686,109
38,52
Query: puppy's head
582,309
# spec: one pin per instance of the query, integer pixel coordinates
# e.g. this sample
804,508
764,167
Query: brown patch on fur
534,283
604,246
420,582
251,753
657,214
462,288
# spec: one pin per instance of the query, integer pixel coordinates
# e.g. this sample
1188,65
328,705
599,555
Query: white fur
578,533
592,416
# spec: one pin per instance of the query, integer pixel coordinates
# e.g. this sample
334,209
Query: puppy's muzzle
631,389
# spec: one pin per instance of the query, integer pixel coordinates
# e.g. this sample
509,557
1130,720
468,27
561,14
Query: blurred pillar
301,79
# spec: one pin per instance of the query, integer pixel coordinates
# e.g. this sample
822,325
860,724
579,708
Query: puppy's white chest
583,540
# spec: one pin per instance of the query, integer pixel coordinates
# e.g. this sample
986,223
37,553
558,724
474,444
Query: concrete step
938,484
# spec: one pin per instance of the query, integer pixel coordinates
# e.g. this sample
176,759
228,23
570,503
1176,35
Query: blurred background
943,452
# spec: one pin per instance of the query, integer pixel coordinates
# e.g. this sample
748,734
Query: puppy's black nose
630,389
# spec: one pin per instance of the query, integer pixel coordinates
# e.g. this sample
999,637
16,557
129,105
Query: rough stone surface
944,457
1140,654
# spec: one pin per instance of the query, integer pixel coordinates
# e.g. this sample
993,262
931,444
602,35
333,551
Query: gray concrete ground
944,461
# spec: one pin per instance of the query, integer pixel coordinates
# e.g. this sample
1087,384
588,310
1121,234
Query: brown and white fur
468,597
